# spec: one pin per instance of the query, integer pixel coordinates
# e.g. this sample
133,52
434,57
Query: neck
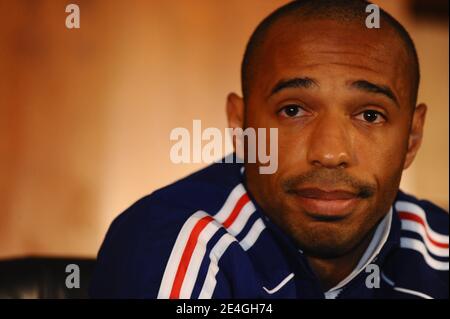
331,271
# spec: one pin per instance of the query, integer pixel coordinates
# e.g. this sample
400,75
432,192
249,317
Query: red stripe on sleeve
417,219
234,214
187,254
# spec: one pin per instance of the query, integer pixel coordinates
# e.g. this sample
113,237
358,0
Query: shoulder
431,217
166,210
422,263
160,229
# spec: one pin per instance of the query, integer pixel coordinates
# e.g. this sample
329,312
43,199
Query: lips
319,194
326,205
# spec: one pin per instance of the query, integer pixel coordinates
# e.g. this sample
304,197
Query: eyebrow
363,85
304,82
369,87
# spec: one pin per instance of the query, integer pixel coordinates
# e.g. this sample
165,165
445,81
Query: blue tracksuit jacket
204,237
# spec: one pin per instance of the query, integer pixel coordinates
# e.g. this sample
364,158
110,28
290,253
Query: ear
415,134
235,112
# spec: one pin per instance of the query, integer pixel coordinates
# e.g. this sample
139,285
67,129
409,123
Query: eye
291,110
371,116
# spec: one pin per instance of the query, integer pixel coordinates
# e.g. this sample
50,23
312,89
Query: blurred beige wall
85,115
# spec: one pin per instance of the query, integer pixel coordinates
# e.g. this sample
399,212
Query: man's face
340,96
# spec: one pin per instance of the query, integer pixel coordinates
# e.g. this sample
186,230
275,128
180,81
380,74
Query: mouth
326,205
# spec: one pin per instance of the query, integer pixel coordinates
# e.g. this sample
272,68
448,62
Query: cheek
291,153
381,154
291,161
291,142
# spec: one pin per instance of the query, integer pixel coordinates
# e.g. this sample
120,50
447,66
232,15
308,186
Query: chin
325,240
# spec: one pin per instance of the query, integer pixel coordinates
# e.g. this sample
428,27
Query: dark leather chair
43,278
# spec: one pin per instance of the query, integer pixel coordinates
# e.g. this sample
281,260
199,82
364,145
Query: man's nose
330,143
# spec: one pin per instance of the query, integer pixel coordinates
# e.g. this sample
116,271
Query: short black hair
340,10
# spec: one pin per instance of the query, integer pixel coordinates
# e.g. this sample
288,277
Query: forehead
325,48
